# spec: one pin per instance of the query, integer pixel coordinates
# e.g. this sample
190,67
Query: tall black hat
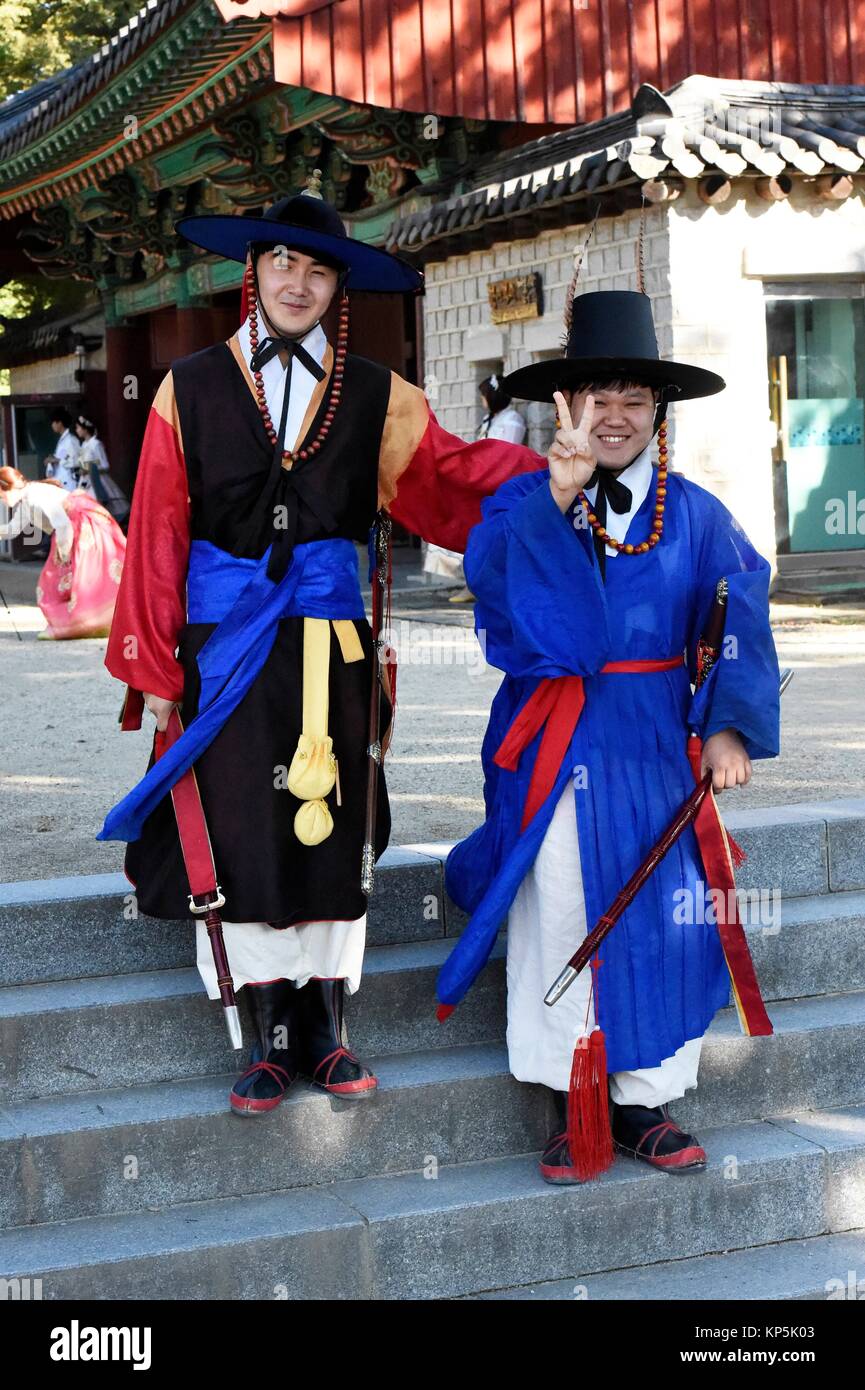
611,337
304,222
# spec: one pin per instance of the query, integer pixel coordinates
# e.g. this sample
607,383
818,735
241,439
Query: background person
95,476
501,421
63,466
77,587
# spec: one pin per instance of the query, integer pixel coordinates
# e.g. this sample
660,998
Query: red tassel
444,1011
737,854
590,1142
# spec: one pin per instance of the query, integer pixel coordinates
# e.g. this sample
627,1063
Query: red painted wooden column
128,396
194,330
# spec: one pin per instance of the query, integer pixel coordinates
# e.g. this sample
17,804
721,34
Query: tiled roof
28,115
48,334
702,127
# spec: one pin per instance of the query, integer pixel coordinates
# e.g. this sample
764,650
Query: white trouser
258,952
546,924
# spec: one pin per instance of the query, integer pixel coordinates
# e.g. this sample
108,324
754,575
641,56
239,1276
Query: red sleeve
151,603
439,494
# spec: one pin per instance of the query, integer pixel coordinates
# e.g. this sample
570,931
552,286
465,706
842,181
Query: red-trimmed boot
555,1164
273,1063
324,1057
650,1135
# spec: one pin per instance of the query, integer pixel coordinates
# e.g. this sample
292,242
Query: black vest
229,458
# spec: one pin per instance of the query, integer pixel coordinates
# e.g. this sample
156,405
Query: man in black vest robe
266,458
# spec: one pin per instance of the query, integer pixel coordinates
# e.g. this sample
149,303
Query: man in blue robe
594,581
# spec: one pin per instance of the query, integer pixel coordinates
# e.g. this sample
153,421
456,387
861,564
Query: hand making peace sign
571,461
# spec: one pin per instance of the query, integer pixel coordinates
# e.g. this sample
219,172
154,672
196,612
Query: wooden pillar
128,396
94,400
8,435
194,330
377,329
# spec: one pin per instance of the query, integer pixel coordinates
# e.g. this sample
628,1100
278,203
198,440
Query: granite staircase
125,1175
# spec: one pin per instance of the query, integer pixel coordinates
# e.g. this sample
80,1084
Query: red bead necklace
336,381
660,497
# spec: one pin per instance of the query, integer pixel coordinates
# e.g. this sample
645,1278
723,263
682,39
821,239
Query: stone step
459,1229
124,1030
819,587
815,946
799,850
816,1268
71,1155
813,1060
121,1030
66,928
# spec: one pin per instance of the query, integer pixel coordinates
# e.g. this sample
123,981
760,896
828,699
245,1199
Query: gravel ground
64,762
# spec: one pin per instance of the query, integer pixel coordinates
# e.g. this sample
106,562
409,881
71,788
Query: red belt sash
556,706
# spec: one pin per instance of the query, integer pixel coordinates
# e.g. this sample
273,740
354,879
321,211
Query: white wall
704,269
462,344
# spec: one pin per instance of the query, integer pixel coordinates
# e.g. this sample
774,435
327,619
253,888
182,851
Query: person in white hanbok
501,421
77,587
95,477
63,465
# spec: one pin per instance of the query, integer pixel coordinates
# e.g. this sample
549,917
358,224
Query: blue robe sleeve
741,691
541,608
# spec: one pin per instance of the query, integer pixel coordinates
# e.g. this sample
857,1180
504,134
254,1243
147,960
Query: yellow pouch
313,822
313,768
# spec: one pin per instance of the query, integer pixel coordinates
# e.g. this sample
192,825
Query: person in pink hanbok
78,585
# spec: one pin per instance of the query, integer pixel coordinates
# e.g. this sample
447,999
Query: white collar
636,476
315,342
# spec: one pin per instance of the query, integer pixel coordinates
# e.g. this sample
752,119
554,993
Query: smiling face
623,421
295,289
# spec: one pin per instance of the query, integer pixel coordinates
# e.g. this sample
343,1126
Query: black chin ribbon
286,485
269,347
610,493
280,497
616,494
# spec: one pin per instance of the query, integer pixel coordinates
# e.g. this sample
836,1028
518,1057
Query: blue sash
322,581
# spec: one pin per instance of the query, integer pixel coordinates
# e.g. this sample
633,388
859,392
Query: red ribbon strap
717,859
189,813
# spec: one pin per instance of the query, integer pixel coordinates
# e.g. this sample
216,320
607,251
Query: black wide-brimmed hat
611,338
307,223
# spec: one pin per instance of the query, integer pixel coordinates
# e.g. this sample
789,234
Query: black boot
273,1059
555,1165
324,1057
650,1135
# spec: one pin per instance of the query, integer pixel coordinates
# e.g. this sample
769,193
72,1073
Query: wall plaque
518,297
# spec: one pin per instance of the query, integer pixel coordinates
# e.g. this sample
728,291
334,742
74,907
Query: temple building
489,155
748,199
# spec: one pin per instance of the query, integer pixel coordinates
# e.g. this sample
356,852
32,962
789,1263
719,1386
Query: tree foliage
39,38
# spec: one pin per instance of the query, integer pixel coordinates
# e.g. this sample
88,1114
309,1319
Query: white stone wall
56,375
52,376
720,258
462,345
704,269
